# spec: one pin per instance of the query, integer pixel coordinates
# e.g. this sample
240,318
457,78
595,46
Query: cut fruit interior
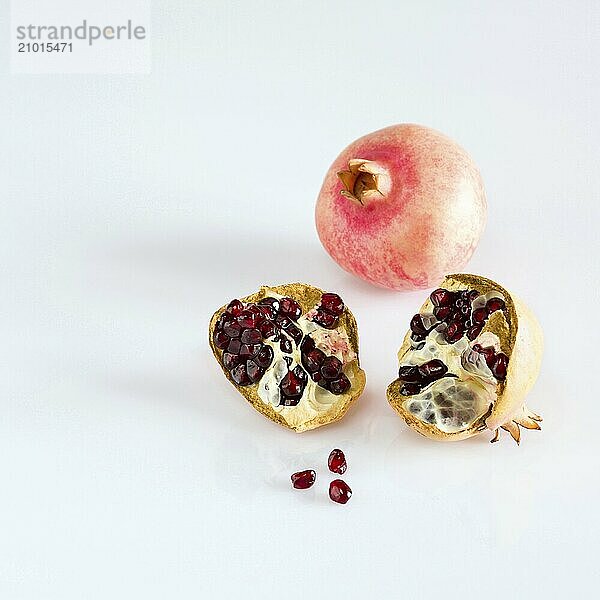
455,361
292,351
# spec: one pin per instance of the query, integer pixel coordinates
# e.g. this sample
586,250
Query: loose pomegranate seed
303,479
337,461
474,331
441,297
479,315
221,339
331,367
234,346
312,360
332,303
417,326
500,366
409,373
434,369
339,491
240,375
264,357
231,360
233,330
494,304
340,385
251,336
235,307
325,319
290,308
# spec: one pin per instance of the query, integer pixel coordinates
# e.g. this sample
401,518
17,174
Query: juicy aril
292,352
401,207
469,359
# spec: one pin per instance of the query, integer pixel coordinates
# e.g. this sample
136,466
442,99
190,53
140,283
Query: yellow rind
521,339
307,296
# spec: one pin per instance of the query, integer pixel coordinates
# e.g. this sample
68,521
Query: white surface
136,205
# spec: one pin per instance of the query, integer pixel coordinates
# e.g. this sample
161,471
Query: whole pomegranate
401,207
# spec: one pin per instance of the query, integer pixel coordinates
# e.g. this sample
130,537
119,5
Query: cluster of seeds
496,361
242,329
454,312
339,490
415,377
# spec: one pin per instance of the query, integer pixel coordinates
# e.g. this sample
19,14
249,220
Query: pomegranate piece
462,403
339,491
337,461
253,339
332,303
302,480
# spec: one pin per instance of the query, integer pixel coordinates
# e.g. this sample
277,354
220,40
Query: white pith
452,404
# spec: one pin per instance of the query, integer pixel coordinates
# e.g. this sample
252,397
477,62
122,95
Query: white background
135,205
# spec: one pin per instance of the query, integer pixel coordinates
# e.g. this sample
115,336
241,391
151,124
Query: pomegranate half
471,356
401,207
292,352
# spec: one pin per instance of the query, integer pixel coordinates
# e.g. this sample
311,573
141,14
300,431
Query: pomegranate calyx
364,181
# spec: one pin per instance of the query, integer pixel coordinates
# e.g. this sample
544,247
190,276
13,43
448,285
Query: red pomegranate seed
331,367
442,312
264,357
474,331
417,326
249,350
410,389
234,346
479,315
267,329
337,462
339,491
302,480
332,303
248,319
240,375
408,373
235,307
221,340
251,336
434,369
292,384
340,385
325,319
500,366
454,331
231,360
312,360
494,304
233,330
254,371
290,308
441,297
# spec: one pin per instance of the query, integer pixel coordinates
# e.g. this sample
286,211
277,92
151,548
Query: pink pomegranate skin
415,215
